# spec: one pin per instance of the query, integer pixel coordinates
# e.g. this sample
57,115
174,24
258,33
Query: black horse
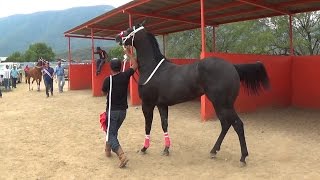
218,79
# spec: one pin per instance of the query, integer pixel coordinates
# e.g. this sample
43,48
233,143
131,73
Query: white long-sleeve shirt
6,74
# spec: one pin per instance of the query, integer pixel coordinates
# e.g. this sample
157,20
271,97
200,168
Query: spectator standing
14,76
1,80
7,78
59,72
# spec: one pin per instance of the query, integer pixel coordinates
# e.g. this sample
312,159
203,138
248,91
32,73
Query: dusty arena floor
60,138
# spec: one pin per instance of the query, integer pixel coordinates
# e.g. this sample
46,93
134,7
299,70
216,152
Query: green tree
38,50
116,52
307,33
15,57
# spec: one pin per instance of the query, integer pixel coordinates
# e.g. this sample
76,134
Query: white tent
3,59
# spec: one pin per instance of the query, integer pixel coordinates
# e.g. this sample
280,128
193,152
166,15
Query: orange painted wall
306,82
294,81
80,76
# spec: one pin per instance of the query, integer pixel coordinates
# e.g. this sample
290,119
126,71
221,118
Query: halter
40,67
124,39
132,34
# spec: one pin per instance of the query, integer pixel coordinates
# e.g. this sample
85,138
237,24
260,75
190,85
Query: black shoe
51,93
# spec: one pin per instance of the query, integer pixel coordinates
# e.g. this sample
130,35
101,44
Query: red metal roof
168,16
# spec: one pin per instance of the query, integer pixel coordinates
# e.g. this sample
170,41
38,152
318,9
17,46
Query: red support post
291,36
134,94
69,57
92,61
206,106
203,35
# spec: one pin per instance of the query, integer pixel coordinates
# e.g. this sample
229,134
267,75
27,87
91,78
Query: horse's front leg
38,84
32,83
163,110
148,115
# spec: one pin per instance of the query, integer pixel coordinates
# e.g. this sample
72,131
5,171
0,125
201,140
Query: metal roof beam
233,14
88,37
226,6
265,6
251,18
103,17
175,6
96,27
164,17
163,28
292,3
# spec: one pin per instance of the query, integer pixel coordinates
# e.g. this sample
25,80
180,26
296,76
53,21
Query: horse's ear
143,22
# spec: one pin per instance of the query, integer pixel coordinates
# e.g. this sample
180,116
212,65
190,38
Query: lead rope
109,109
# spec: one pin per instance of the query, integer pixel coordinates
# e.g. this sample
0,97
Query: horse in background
36,74
163,84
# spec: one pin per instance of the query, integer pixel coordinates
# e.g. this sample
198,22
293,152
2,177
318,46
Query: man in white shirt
7,78
1,79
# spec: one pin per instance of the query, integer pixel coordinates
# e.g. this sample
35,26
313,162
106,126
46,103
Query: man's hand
134,63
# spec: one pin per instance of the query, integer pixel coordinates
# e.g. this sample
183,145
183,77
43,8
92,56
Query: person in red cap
119,104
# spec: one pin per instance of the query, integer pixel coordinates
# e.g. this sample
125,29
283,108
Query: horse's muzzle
118,39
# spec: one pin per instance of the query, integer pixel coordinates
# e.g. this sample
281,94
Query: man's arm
105,86
133,60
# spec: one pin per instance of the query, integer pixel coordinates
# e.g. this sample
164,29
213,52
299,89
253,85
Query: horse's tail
253,76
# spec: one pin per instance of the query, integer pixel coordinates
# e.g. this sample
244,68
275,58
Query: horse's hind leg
228,117
163,110
148,115
225,125
223,103
238,127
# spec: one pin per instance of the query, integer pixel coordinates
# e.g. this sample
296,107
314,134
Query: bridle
132,34
124,39
39,67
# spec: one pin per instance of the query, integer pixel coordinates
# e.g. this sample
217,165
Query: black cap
115,64
98,48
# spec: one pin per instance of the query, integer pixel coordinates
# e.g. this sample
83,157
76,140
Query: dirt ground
60,138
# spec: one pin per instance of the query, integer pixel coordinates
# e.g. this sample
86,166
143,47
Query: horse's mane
158,56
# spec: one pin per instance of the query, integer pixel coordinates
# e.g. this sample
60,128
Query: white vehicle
3,67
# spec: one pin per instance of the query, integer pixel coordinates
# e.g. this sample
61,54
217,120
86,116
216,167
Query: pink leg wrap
166,139
147,141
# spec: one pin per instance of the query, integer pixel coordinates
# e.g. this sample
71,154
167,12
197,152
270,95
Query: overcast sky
11,7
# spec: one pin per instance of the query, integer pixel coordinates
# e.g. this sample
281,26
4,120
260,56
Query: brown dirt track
60,138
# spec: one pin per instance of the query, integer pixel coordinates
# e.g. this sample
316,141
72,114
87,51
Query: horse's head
40,63
128,36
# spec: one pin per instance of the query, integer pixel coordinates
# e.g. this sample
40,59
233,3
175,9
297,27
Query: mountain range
20,31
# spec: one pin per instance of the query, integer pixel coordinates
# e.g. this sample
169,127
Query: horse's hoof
166,151
213,155
243,163
143,150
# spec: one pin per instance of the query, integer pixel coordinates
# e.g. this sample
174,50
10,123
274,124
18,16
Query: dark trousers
49,86
7,83
0,92
100,63
116,120
14,82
